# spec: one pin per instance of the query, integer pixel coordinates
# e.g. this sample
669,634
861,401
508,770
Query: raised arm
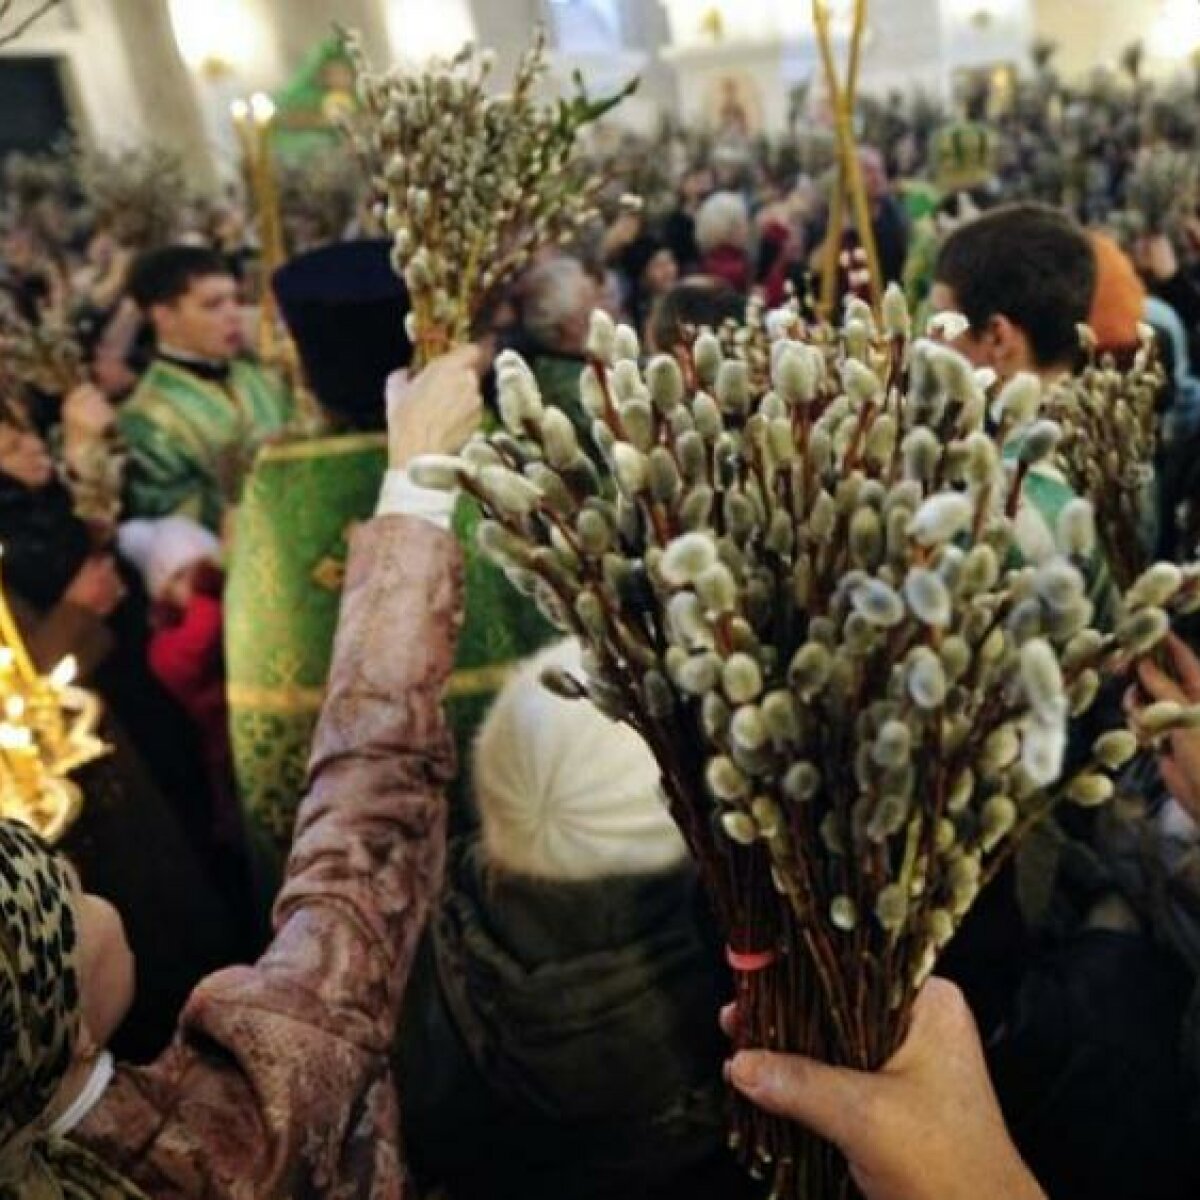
280,1082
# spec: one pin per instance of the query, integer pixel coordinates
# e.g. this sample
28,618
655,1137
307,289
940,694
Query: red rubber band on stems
748,962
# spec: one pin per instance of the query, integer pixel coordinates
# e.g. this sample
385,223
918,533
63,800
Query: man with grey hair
556,299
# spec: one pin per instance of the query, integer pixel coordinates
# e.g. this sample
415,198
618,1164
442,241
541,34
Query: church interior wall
688,57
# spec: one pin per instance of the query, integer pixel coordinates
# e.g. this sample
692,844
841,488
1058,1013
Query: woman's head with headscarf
39,983
565,793
65,983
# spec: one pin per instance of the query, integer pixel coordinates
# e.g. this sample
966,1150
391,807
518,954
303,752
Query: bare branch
21,26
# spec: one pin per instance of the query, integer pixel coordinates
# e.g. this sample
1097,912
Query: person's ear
163,316
1008,346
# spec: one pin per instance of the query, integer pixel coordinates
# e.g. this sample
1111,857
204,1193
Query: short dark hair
690,306
161,276
1030,263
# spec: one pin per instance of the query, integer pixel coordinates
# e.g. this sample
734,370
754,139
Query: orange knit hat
1119,301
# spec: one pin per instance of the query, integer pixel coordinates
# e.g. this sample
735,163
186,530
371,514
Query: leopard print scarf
39,1019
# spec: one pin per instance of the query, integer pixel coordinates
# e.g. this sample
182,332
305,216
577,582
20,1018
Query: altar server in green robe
203,410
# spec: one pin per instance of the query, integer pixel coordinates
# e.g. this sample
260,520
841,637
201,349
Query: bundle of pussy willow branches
806,593
43,354
1162,190
471,184
1110,423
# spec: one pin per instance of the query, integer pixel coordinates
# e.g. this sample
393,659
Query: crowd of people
511,961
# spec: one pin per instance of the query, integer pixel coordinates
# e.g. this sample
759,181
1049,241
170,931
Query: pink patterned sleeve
279,1083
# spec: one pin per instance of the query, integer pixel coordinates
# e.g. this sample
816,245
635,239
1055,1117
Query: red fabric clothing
279,1082
188,659
730,265
776,239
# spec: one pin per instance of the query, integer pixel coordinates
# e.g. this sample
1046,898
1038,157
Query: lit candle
64,674
262,108
17,744
239,111
259,114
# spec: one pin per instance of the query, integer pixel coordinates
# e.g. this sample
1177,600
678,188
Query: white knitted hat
161,548
565,793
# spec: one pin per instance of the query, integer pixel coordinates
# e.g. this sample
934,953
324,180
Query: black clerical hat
345,307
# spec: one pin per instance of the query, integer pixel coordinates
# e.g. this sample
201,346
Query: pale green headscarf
39,1020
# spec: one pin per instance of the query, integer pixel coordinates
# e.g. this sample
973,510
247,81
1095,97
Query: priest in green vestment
345,309
202,411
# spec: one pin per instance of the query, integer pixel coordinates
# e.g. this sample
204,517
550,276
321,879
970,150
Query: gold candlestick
239,112
11,639
253,120
849,179
270,223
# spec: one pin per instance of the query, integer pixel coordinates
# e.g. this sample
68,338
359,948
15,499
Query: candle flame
64,674
262,107
14,737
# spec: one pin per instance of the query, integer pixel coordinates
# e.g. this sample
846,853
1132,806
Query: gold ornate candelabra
47,731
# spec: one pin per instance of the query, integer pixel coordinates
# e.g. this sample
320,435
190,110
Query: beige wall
170,112
129,82
126,80
1093,33
85,38
307,22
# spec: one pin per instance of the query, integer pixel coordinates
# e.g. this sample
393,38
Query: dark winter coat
563,1038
